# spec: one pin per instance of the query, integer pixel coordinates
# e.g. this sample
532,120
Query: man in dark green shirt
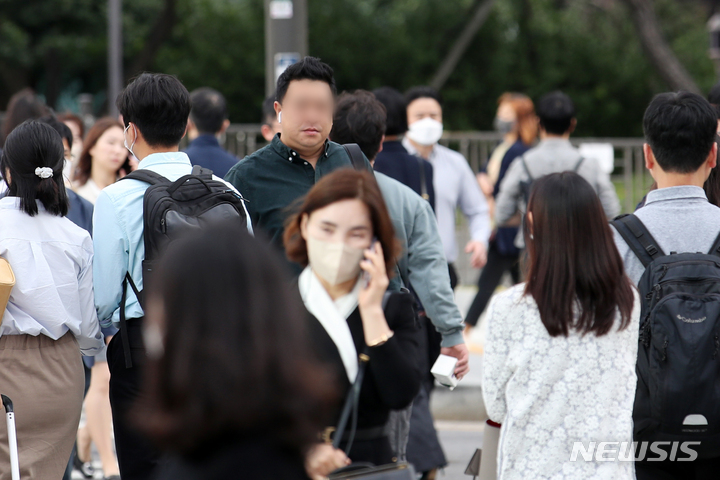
276,176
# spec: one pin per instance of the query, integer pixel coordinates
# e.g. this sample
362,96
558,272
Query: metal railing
629,175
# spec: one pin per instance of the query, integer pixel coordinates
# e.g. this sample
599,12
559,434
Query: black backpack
170,209
526,185
678,366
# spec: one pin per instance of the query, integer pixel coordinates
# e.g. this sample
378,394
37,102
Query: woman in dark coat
343,236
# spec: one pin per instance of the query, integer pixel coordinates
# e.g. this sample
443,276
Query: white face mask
335,263
426,131
125,140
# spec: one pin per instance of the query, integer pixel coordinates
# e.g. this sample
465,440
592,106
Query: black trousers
137,457
497,265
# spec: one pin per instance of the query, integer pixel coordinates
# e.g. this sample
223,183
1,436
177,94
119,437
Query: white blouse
52,261
549,392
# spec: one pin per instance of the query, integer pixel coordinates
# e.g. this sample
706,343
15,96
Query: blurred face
346,221
306,114
270,129
66,150
108,153
424,108
506,113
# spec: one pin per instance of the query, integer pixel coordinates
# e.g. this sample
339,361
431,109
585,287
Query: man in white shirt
454,181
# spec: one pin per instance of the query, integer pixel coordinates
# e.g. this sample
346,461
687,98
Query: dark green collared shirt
275,176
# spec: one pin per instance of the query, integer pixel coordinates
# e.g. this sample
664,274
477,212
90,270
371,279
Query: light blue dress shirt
118,236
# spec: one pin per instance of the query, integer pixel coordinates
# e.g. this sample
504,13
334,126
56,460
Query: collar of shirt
164,158
286,152
414,151
555,142
205,140
676,193
13,203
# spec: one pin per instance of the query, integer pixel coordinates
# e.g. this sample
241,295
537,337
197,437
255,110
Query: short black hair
396,108
359,118
422,92
208,110
309,68
62,129
32,145
159,105
268,110
680,127
555,111
714,95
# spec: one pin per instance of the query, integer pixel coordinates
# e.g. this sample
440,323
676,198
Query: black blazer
392,376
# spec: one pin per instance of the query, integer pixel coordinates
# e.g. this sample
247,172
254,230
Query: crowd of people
228,312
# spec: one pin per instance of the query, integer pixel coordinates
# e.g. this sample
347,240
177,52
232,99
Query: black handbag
367,471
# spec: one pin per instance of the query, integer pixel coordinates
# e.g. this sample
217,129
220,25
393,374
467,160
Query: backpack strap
525,167
147,176
123,322
577,165
715,250
636,235
199,171
356,156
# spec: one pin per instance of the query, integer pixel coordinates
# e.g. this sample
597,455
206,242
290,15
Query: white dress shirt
456,186
52,261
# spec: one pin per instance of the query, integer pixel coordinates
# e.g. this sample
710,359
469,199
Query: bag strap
577,165
147,176
123,322
638,238
525,167
356,156
715,250
199,171
423,181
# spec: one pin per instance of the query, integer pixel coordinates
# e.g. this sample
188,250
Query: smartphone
366,275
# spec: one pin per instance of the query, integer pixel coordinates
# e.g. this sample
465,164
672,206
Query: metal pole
115,54
286,37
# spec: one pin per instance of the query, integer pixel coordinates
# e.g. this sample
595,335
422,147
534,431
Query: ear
529,220
304,226
190,125
649,157
225,126
573,125
186,130
712,158
278,107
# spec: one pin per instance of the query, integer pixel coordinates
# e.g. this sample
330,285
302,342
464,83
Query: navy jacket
80,211
206,151
395,162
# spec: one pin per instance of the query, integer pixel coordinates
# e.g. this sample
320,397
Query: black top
392,376
80,211
395,162
275,176
505,236
206,151
251,460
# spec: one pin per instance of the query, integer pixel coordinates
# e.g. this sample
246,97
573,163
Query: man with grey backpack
553,154
671,250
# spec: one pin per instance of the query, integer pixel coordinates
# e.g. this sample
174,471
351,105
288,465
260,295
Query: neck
423,150
339,290
664,180
510,138
392,138
550,136
142,151
103,178
309,154
193,134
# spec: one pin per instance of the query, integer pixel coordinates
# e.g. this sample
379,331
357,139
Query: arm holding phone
371,296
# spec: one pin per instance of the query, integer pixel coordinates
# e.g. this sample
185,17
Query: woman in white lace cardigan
559,364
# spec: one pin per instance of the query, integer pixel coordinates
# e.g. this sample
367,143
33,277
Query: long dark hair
30,146
237,365
573,264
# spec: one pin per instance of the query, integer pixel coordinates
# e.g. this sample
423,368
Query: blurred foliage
587,48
